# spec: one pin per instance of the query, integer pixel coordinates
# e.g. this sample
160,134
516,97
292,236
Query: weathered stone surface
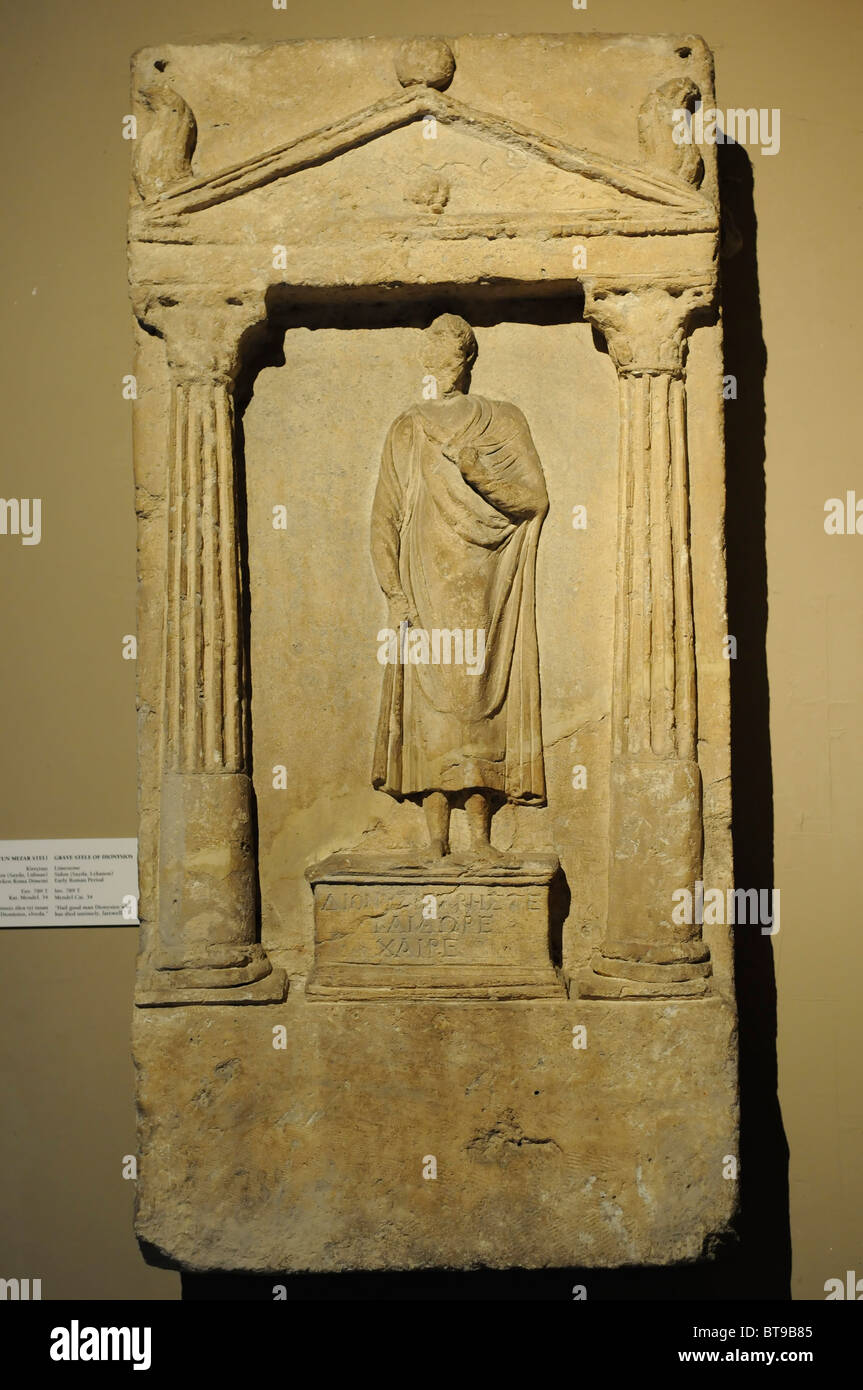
432,604
312,1157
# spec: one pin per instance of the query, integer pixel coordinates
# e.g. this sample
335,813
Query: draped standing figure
457,514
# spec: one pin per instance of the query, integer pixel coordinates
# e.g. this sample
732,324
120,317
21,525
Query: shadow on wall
754,1262
764,1257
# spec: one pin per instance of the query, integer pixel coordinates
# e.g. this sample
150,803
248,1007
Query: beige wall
67,699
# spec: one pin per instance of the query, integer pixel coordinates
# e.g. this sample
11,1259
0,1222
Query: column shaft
205,716
208,889
655,820
655,811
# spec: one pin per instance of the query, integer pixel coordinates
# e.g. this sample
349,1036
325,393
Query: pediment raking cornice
392,113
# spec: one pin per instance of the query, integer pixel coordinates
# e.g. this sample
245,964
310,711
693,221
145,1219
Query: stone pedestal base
313,1154
387,926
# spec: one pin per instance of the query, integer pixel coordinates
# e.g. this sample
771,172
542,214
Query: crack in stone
573,733
506,1136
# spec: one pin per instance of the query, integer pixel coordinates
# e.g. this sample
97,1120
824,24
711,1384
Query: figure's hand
401,612
465,460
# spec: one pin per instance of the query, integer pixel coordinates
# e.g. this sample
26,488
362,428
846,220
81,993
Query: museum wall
68,694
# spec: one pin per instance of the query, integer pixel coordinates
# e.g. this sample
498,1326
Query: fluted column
655,825
206,944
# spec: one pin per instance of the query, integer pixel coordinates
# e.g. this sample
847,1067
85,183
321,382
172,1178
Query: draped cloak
464,556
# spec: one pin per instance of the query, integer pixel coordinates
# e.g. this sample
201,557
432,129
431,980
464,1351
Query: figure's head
448,352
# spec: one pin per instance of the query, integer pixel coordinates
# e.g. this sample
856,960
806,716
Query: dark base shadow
703,1281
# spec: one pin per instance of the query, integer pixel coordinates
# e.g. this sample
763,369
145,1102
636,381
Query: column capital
201,330
646,326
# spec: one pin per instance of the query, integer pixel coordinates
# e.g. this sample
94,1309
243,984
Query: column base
609,977
212,975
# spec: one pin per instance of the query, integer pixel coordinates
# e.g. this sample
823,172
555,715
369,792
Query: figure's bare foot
479,813
439,848
483,851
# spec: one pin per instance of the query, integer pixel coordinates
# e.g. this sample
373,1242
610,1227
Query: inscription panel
387,924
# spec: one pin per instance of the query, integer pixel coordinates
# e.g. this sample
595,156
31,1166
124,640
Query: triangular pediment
423,158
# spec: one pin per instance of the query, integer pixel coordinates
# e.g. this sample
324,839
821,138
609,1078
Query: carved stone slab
458,931
605,1156
430,495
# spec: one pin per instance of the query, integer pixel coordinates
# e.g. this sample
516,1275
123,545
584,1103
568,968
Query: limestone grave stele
432,690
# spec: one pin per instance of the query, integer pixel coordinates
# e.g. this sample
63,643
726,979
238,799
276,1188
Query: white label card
61,883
